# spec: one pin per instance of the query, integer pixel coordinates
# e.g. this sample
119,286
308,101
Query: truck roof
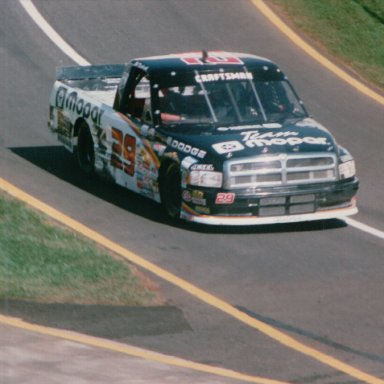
202,60
177,63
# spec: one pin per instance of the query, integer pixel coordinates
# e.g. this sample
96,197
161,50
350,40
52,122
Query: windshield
229,99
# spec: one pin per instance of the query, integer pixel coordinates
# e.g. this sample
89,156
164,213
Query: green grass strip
40,261
352,30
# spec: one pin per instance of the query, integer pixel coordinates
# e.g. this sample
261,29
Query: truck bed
98,81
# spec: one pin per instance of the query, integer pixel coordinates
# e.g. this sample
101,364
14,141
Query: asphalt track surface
321,283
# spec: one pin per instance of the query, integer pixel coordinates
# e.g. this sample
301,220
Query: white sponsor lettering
73,103
186,148
257,139
188,161
202,167
223,76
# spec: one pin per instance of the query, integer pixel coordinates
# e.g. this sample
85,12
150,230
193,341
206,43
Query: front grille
269,171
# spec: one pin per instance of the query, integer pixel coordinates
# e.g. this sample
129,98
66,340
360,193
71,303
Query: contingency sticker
228,147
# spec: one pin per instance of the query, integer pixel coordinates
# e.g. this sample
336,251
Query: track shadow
60,163
107,321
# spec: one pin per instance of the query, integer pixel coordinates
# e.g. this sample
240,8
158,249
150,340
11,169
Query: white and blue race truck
215,137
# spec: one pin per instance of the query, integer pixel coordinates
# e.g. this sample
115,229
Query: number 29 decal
123,151
225,198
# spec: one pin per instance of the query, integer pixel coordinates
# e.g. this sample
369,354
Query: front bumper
272,205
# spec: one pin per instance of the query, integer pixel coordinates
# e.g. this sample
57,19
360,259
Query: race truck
215,137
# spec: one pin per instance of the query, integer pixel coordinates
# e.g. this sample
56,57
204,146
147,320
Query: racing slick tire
170,190
85,150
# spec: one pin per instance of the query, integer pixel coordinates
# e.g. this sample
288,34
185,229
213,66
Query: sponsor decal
196,194
203,210
72,102
145,171
198,198
64,125
223,76
188,161
309,122
186,148
212,60
199,202
187,196
202,167
239,127
140,65
253,126
228,147
123,151
257,139
159,148
272,125
225,198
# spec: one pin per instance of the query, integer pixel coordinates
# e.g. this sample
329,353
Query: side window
136,101
147,112
142,101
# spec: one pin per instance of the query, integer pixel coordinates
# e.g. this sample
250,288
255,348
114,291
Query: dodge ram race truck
215,137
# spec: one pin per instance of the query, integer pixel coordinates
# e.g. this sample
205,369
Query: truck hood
300,136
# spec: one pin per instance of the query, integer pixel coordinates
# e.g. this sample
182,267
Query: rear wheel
85,150
170,190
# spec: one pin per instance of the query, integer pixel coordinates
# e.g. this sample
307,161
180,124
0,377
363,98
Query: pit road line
193,290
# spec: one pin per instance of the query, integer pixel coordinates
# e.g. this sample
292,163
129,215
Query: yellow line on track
202,295
133,351
295,38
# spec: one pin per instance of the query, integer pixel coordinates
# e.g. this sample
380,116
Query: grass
352,30
40,261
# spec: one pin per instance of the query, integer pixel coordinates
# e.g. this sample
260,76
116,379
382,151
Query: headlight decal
347,169
206,179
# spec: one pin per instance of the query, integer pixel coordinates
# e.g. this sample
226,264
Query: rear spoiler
90,72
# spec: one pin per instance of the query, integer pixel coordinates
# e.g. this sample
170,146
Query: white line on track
51,33
69,51
363,227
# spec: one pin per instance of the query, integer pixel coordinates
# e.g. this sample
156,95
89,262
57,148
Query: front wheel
170,190
85,150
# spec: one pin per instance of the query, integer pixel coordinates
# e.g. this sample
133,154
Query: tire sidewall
171,191
85,150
